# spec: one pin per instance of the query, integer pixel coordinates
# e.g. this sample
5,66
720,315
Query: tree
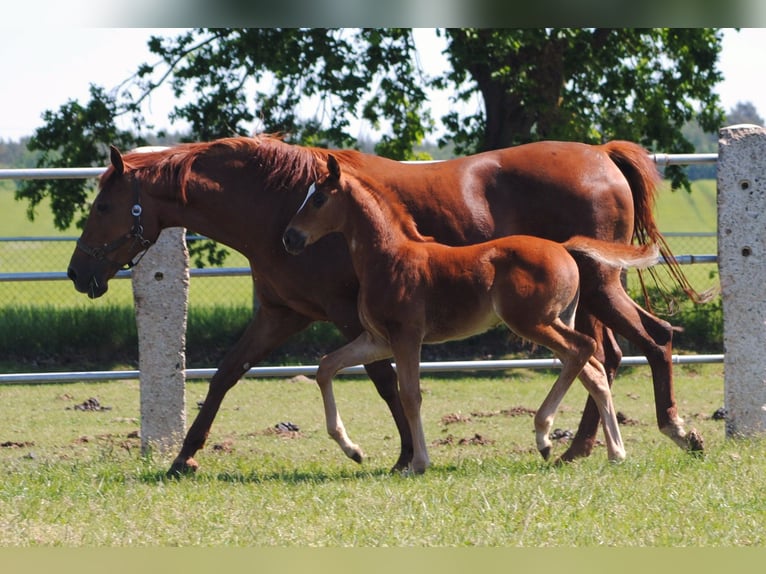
576,84
744,113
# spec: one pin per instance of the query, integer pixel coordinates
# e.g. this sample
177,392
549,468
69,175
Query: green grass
78,478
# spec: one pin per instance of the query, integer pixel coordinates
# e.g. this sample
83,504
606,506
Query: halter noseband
136,234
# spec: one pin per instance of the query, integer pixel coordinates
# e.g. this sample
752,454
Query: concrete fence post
160,292
742,267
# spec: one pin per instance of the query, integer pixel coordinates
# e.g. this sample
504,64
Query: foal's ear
333,167
116,158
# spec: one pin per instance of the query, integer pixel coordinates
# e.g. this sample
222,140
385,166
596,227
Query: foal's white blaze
311,191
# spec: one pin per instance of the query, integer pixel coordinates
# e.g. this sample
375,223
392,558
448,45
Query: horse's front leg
268,329
363,349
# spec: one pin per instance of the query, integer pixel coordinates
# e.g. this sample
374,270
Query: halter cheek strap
136,234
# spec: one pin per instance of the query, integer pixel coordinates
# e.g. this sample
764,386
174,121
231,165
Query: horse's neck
375,225
219,214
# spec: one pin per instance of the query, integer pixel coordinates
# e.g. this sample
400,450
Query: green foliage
574,84
588,85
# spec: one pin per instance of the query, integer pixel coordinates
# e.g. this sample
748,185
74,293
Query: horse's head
117,230
319,214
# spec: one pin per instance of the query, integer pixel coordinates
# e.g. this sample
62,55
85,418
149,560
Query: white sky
43,69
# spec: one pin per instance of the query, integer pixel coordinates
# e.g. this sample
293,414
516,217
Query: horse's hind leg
654,337
364,349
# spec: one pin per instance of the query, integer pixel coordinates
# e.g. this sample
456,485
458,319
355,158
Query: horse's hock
160,290
742,267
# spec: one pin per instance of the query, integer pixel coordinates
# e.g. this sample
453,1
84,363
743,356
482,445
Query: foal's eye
102,207
318,199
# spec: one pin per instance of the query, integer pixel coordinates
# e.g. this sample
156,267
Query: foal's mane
276,164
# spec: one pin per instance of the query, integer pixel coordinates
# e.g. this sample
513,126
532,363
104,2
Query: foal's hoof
545,452
181,468
695,443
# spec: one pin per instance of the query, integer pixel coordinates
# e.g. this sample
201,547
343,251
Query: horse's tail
641,172
614,254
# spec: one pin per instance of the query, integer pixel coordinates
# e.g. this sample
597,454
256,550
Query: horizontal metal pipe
52,173
310,370
661,159
665,159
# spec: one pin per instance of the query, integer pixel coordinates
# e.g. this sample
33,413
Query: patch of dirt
719,414
92,404
476,439
625,420
16,444
561,435
285,430
518,412
226,446
455,418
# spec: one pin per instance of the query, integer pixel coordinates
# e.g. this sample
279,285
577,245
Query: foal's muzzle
294,241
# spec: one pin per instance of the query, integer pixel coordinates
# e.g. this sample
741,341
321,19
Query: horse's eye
102,207
318,199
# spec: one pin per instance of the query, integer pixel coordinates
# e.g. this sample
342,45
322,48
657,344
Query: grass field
76,478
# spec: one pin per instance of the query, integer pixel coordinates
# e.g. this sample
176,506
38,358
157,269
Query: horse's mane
277,164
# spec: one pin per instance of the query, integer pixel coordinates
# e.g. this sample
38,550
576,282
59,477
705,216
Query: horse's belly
453,328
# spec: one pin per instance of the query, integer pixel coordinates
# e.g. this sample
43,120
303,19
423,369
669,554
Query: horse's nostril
72,274
293,240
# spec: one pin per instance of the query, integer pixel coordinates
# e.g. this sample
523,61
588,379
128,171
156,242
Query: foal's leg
610,355
593,377
573,350
363,349
406,350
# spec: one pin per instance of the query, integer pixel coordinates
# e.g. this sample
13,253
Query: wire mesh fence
47,254
50,255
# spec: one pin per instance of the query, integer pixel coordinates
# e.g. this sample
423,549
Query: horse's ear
116,158
333,167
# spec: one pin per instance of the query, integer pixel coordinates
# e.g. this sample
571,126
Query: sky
43,71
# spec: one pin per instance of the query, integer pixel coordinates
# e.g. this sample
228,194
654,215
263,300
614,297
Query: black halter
136,235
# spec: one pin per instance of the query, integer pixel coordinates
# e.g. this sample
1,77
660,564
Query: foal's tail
614,254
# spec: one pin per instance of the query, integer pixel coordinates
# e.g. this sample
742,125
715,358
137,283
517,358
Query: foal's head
322,211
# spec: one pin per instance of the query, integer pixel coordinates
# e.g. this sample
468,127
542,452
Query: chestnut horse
243,191
414,291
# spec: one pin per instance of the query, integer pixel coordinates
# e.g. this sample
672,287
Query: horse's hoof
357,457
695,442
545,452
182,468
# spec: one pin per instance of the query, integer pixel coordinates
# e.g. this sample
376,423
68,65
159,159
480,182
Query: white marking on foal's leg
594,378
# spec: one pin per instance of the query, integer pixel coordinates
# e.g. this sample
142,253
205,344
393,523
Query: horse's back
547,189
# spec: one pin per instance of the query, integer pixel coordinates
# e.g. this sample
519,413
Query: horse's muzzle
294,241
89,285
